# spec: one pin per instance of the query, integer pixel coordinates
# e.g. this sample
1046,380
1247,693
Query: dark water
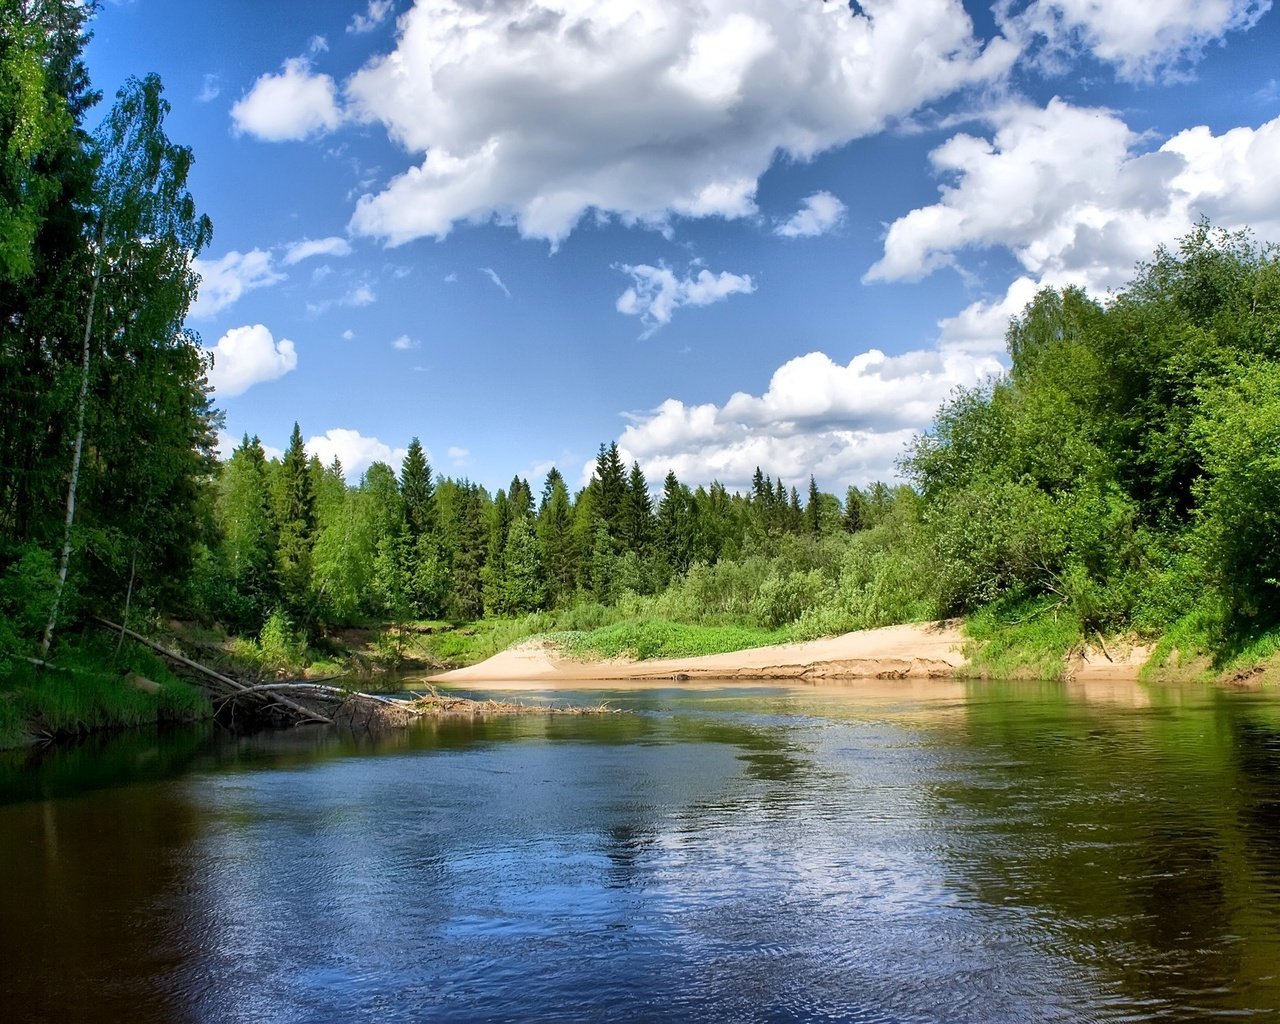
886,852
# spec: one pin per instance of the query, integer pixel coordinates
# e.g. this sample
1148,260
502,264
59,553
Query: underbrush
91,688
1021,640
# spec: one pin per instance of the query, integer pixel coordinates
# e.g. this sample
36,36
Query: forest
1122,477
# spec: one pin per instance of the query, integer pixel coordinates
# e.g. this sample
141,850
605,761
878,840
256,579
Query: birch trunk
75,472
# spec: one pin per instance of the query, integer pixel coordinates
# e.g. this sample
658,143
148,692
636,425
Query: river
887,852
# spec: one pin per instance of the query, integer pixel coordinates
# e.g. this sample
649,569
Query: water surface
878,852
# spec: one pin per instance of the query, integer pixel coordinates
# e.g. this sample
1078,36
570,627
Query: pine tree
813,509
294,509
610,482
637,520
675,524
855,511
418,491
555,539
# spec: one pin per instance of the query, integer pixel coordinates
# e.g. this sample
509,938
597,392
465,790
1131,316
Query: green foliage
657,638
26,587
1238,436
1028,639
91,689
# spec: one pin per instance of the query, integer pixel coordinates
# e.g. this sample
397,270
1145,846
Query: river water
924,852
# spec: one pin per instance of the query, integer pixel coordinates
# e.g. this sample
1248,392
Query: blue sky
725,233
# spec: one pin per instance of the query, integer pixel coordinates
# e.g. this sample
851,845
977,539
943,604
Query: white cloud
360,295
246,356
223,281
841,423
289,106
981,326
459,455
493,276
296,252
535,112
818,214
227,443
451,278
657,293
1070,193
375,15
348,334
1142,40
404,343
355,451
210,89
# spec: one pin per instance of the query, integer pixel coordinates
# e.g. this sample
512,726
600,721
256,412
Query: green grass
658,638
1026,640
88,691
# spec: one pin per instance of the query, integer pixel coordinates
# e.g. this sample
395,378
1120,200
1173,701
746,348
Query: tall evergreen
418,491
813,509
555,539
637,523
294,509
610,482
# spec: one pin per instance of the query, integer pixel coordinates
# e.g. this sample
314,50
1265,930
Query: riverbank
935,650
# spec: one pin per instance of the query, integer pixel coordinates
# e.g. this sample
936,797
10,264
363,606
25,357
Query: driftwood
335,705
235,687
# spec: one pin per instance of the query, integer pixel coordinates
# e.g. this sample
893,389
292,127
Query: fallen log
226,682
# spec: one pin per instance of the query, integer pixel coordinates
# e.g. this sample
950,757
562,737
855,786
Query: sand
917,651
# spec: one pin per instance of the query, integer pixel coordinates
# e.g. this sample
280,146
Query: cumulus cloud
1141,40
535,112
355,451
289,106
459,455
296,252
375,15
404,343
224,280
842,423
246,356
656,292
818,214
1071,194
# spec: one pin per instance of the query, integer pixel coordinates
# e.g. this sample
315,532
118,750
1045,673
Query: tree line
408,544
1123,475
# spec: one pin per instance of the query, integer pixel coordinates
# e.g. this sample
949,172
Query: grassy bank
90,689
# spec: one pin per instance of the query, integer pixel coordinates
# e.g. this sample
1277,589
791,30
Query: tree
524,581
675,523
610,484
813,509
636,521
146,232
418,492
293,505
555,539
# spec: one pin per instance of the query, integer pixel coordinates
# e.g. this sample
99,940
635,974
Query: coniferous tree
637,519
555,539
610,483
294,509
855,511
675,524
469,554
813,509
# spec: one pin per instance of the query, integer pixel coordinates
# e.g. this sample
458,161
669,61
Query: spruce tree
294,508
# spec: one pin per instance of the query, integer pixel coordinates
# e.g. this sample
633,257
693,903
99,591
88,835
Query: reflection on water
876,852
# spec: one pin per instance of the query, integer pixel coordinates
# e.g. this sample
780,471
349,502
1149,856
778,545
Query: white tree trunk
75,473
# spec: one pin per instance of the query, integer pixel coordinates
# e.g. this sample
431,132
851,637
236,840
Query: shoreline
932,650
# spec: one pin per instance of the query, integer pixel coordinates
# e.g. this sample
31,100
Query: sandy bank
917,651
